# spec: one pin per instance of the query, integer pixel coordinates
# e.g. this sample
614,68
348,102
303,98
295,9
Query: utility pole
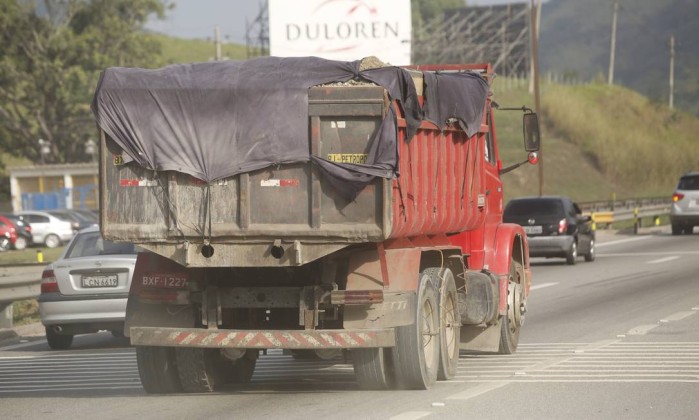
612,46
534,33
672,70
217,41
535,6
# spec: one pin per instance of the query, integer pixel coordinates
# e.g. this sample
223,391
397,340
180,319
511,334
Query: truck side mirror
530,122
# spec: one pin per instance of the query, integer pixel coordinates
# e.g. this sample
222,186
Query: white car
47,229
85,290
684,214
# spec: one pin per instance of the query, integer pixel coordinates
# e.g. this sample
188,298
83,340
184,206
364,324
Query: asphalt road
614,339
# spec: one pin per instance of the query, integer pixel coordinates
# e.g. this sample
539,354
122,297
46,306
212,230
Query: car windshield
91,244
532,208
689,183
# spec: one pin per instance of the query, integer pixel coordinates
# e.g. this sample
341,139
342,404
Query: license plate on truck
532,230
99,281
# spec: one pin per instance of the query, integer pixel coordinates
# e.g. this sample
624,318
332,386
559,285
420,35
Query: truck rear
310,205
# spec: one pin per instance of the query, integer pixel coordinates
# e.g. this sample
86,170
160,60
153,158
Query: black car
555,227
24,231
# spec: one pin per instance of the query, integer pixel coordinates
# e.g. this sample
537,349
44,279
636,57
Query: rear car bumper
692,219
56,309
549,246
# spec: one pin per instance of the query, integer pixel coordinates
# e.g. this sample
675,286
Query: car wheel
52,241
590,256
20,243
572,254
688,230
58,341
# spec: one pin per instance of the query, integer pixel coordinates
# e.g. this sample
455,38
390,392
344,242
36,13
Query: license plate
530,230
99,281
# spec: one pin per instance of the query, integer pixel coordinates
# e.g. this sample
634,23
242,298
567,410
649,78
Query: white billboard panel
341,29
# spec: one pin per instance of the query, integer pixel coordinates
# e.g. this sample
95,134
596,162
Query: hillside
598,140
575,41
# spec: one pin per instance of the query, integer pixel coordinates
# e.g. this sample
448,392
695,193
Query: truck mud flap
269,339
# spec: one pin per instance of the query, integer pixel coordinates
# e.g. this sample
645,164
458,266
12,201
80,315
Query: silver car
85,290
684,214
47,229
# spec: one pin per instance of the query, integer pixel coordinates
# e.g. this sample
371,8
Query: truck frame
402,276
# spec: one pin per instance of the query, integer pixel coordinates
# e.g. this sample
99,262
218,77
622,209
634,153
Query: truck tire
58,341
416,354
157,369
373,368
449,323
241,370
512,321
199,369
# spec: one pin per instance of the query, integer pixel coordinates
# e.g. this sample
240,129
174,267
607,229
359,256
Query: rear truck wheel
200,369
373,368
240,371
512,321
572,256
20,243
449,323
52,241
416,354
590,256
676,229
157,367
58,341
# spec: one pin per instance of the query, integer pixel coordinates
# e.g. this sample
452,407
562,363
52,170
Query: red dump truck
310,205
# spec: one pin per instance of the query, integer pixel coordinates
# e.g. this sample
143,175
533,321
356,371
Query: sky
197,18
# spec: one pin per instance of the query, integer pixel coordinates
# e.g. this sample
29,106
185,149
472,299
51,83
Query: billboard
341,29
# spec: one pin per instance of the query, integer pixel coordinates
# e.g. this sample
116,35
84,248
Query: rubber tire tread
58,341
199,369
591,255
411,368
447,287
508,340
570,258
157,368
373,368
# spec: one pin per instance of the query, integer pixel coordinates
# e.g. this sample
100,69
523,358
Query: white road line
478,390
411,415
678,316
622,241
641,329
22,345
662,260
647,254
542,286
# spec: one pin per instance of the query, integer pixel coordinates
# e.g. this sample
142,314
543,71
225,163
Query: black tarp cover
218,119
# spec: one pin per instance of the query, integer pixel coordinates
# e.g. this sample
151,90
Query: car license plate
99,281
530,230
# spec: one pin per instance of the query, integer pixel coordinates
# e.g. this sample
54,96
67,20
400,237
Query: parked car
555,227
77,220
47,229
684,214
85,290
24,232
8,234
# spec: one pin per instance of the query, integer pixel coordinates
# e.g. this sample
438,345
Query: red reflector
49,284
356,297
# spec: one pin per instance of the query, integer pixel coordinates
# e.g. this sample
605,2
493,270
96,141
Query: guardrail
609,212
17,283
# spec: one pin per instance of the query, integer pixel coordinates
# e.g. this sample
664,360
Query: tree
51,55
424,11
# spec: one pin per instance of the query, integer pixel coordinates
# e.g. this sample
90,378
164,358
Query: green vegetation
25,312
29,255
176,50
597,140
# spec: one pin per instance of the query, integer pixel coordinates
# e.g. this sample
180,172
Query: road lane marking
411,415
678,316
622,241
542,286
662,260
641,329
647,254
478,390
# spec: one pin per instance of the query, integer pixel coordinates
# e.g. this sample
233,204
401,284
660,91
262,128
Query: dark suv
555,227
